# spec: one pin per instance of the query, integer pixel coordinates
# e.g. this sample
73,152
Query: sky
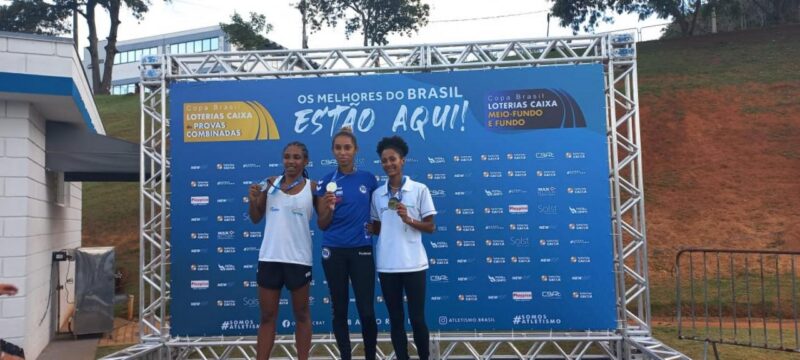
450,21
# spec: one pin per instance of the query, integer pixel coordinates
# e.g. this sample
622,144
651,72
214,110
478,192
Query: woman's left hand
402,211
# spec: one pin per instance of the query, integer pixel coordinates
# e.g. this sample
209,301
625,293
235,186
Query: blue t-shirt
347,228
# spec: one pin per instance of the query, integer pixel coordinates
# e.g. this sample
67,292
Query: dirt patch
721,169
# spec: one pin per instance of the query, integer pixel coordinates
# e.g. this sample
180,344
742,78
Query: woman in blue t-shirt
347,255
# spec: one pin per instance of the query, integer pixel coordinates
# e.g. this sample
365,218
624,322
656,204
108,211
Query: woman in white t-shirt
402,209
285,255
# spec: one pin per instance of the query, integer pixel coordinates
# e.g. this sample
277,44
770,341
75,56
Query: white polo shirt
399,247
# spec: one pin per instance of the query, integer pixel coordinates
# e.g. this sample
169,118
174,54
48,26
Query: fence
738,297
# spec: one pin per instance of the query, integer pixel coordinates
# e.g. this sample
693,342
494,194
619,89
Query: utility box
94,290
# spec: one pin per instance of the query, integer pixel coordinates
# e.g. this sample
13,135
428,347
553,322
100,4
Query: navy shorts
275,275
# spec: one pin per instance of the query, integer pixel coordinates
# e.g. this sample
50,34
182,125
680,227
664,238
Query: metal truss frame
617,52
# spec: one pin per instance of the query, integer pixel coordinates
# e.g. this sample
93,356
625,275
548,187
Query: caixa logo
438,261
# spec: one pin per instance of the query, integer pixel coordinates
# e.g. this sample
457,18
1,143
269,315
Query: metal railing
738,297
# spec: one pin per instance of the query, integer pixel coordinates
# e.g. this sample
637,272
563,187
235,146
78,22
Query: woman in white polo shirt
402,209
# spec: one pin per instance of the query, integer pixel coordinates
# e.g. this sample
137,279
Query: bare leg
302,318
268,302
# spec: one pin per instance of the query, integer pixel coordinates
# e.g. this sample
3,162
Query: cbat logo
439,278
545,155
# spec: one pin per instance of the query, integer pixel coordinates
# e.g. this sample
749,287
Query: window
196,46
123,89
130,56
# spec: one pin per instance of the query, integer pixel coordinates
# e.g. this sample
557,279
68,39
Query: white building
48,119
126,62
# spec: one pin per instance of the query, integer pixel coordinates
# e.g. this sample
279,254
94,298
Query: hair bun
347,129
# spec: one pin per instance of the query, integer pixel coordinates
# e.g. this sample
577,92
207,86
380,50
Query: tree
247,35
35,17
375,19
586,14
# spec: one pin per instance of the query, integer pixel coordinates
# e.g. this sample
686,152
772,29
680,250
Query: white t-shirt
399,247
287,236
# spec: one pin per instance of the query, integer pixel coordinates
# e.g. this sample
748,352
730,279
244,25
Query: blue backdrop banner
516,161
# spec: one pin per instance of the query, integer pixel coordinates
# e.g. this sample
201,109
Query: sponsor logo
494,227
199,219
439,278
496,278
548,242
580,278
581,294
516,156
520,277
463,193
198,250
432,176
362,189
545,155
579,242
518,209
492,174
250,249
494,242
575,155
577,190
580,259
546,191
467,297
254,234
548,260
522,295
578,210
462,158
199,236
198,167
518,227
493,192
226,235
493,211
225,284
226,267
199,184
438,193
465,228
199,284
547,209
462,175
199,200
550,278
520,241
495,297
545,173
465,278
547,227
226,250
329,162
441,228
517,173
226,218
438,245
199,267
465,261
226,303
551,294
495,260
326,253
250,302
521,259
436,160
249,284
517,191
226,166
465,243
198,303
466,211
575,172
438,261
490,157
227,200
579,227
